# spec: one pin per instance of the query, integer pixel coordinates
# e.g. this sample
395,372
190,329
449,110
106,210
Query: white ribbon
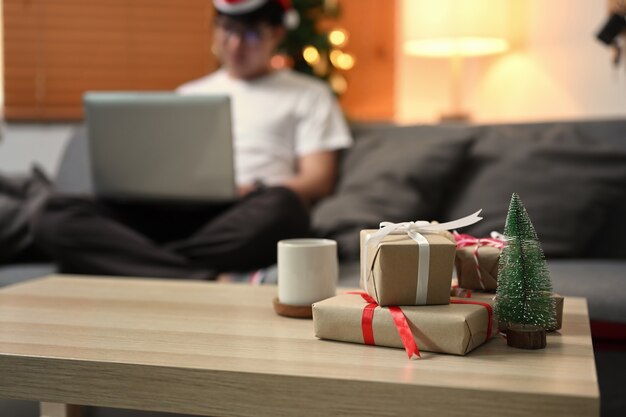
423,265
414,230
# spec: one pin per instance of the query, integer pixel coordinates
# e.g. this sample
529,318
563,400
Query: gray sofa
571,177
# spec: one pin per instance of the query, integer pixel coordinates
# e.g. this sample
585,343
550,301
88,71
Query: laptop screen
161,146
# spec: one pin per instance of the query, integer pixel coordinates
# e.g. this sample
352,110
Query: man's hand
316,176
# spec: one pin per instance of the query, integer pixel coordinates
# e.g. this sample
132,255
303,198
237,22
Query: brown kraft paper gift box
453,328
466,270
490,297
392,269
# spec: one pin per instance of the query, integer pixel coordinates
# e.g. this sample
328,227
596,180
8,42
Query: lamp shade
445,28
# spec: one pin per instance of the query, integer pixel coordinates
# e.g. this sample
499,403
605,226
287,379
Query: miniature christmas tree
524,294
316,46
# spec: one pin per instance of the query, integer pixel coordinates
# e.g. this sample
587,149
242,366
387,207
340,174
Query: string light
326,57
338,37
338,83
321,66
311,55
341,60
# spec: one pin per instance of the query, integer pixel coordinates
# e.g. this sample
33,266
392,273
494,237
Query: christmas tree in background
314,47
524,294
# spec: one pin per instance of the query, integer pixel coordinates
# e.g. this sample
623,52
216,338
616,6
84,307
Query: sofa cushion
567,181
390,174
601,282
608,243
20,198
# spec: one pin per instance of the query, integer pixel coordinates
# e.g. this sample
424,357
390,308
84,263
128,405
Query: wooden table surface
219,349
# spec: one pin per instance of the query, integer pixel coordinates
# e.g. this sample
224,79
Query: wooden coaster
526,336
298,312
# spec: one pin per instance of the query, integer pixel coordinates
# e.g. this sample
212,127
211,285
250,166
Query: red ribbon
463,240
366,321
399,319
480,303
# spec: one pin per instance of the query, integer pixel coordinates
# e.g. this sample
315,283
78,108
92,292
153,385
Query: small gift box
490,297
455,328
398,271
476,261
409,263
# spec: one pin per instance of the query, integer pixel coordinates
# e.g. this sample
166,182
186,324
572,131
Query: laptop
161,146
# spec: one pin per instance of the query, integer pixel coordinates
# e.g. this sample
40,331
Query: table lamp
455,29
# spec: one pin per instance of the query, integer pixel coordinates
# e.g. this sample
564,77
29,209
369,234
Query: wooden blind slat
18,113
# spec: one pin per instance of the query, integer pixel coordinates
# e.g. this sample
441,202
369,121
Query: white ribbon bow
414,230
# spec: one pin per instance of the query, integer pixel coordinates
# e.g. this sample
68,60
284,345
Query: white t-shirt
276,118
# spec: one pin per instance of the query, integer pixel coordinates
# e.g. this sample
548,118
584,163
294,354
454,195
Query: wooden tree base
526,336
298,312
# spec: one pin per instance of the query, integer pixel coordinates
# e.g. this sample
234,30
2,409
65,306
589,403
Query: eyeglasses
251,35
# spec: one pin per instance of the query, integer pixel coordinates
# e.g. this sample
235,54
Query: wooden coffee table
219,349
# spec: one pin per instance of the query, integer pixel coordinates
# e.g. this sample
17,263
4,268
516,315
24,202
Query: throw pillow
568,183
20,198
390,174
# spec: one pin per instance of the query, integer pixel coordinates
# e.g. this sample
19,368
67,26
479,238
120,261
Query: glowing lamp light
456,29
446,47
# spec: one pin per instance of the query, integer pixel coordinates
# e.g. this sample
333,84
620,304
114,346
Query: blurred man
287,128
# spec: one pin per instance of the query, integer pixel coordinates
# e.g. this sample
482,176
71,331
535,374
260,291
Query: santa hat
291,18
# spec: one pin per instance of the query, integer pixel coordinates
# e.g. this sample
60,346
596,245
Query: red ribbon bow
402,325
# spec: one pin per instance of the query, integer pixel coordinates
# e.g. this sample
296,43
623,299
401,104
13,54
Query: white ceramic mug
307,270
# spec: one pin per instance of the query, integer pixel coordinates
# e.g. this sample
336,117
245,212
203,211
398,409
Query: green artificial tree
524,294
310,33
315,46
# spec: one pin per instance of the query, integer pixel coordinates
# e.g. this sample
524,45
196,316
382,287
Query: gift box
477,269
398,270
476,261
451,328
490,297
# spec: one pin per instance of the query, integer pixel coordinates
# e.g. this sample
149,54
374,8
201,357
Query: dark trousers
90,236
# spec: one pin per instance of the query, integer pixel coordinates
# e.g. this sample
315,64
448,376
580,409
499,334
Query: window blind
57,50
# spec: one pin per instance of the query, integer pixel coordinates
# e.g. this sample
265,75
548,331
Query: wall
556,70
370,23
